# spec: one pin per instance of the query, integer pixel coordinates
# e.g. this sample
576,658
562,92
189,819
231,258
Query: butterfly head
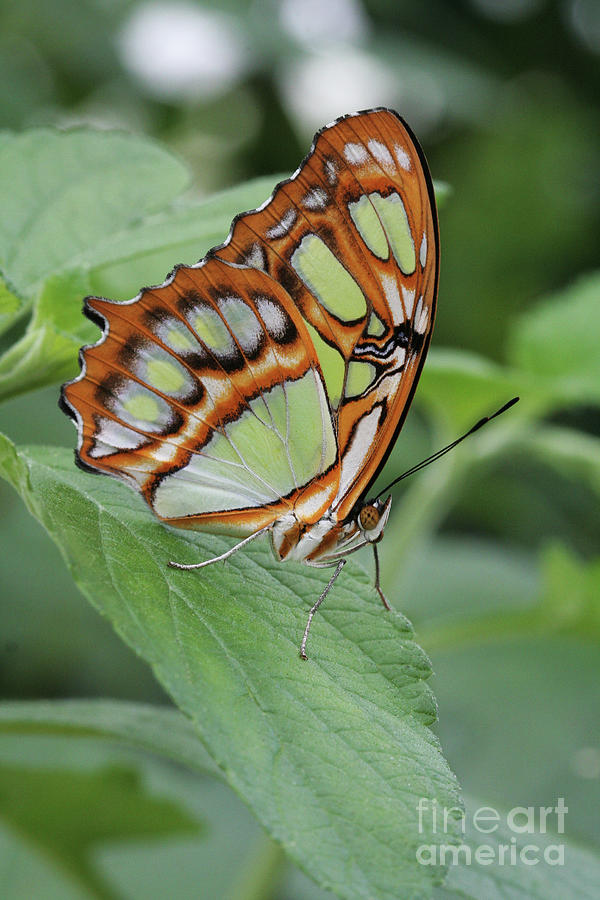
373,517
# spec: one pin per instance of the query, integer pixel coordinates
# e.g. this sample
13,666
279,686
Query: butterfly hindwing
206,394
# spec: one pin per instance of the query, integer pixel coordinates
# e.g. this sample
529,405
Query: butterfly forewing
353,238
275,374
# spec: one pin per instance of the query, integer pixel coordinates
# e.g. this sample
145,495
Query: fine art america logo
514,842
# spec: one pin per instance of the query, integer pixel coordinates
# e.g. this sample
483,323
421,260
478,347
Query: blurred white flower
181,51
508,11
584,16
320,87
310,22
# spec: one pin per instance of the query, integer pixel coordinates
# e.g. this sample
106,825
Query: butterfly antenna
444,450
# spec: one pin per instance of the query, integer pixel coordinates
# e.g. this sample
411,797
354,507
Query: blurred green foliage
493,554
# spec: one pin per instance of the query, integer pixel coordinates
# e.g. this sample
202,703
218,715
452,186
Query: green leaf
29,871
64,806
460,387
570,453
47,351
466,878
332,755
126,824
145,251
515,652
577,877
13,469
63,192
570,601
50,807
553,360
456,584
566,603
223,853
141,253
10,305
519,726
557,341
157,729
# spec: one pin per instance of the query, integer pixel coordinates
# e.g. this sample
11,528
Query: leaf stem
483,629
535,622
261,877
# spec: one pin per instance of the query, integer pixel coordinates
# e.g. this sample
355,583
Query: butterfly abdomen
303,542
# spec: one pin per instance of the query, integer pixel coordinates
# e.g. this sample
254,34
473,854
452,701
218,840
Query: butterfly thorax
323,542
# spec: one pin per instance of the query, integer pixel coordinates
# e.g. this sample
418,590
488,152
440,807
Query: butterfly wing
275,374
353,237
205,393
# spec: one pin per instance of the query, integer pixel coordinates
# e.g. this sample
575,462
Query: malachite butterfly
262,389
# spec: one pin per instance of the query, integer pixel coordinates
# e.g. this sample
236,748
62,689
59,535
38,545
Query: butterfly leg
377,585
315,607
226,555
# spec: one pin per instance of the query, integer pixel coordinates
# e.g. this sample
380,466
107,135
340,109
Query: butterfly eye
372,519
369,518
